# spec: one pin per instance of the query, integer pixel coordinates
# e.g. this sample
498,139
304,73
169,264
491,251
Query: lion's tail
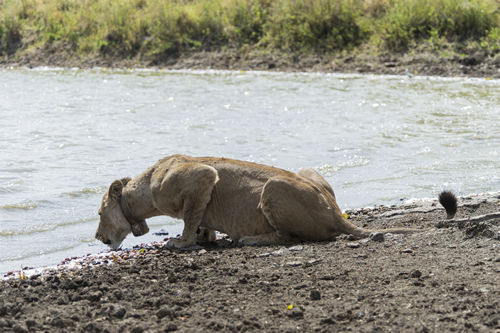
450,202
447,198
349,228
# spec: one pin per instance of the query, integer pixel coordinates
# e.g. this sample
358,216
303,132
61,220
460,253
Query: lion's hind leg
269,239
297,209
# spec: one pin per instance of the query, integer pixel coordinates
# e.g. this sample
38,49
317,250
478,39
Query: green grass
155,27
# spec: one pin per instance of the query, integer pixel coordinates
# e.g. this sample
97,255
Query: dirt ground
477,63
441,280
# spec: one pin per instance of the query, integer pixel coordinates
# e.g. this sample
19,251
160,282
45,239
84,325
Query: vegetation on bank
154,28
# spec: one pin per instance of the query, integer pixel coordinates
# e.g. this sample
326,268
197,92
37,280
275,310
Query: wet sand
441,280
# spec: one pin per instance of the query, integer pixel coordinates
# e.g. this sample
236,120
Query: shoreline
478,64
443,279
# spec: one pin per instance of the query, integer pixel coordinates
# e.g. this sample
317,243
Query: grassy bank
156,29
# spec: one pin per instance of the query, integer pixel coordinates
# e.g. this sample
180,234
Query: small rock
407,251
377,237
294,263
94,296
72,286
171,327
315,294
351,238
172,278
119,312
30,323
3,310
63,300
295,313
163,312
137,329
416,274
361,256
19,329
117,294
314,262
353,245
328,321
296,248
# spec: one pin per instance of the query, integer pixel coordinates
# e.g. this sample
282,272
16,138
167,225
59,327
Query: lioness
252,203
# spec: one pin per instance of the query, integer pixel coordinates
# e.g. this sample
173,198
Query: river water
67,134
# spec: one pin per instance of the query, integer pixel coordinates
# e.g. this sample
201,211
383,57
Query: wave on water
10,188
352,161
27,205
88,190
43,227
20,256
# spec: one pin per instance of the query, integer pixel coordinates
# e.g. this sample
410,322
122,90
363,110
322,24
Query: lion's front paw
180,244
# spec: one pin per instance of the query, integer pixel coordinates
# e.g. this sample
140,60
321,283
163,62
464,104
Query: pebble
361,256
19,329
163,312
315,294
377,237
94,296
30,323
353,245
294,263
407,251
171,327
314,262
295,313
416,274
119,312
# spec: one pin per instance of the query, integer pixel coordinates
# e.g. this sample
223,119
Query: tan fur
252,203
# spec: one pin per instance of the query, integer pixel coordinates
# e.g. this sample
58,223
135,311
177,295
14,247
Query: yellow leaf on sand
289,307
344,215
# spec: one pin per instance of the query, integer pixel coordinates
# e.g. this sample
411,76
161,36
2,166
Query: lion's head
113,226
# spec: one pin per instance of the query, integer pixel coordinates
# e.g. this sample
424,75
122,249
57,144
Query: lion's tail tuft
449,201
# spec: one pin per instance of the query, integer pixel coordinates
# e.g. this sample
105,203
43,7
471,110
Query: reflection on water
67,134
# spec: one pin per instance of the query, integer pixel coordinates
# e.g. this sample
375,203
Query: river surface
67,134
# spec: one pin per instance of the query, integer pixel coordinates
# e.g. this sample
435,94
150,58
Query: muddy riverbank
477,63
444,279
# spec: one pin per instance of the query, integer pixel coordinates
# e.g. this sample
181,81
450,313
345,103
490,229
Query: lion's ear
125,180
115,190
